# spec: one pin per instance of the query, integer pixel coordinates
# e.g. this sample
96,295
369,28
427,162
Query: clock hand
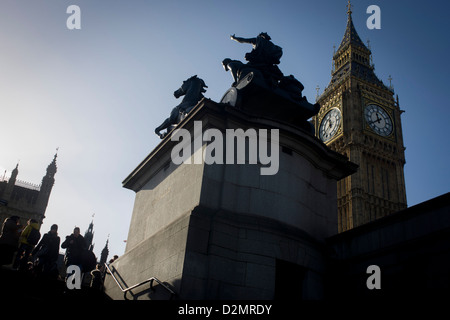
378,118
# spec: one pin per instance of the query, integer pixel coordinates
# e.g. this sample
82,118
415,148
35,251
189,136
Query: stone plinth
224,231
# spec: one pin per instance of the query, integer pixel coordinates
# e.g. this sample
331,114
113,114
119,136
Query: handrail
140,283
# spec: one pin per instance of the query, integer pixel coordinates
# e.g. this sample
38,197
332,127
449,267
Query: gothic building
26,200
360,118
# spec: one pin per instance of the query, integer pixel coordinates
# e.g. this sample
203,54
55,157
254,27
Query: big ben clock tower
360,118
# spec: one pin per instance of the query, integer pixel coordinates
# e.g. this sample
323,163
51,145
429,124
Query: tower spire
15,171
46,185
89,236
51,169
391,87
349,11
352,56
105,252
350,35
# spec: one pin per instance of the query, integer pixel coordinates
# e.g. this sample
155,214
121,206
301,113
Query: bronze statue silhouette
264,51
259,84
192,89
264,57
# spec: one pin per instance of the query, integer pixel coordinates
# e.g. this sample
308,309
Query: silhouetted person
46,253
75,246
28,239
9,239
97,277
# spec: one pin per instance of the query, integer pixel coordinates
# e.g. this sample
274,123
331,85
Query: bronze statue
192,89
264,57
259,85
264,51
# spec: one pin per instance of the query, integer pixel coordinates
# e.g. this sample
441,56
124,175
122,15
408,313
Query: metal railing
172,293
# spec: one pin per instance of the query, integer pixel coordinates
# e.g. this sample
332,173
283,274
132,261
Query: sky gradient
99,92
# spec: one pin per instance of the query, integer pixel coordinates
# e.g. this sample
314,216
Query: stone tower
47,185
360,118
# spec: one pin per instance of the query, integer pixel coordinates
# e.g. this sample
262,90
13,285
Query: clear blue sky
99,92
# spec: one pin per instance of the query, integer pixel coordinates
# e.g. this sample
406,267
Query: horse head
192,84
193,89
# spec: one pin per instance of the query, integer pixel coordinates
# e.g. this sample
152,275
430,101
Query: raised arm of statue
243,40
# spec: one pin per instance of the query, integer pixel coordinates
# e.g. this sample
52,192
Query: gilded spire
391,87
352,56
350,35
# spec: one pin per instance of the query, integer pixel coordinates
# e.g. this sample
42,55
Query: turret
105,252
89,236
46,186
11,183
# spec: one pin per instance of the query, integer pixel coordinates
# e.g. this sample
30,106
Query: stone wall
411,248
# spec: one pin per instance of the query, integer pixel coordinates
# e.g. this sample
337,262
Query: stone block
260,276
198,240
236,198
194,288
256,259
196,265
227,270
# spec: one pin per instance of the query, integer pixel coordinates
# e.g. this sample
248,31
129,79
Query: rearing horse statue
192,89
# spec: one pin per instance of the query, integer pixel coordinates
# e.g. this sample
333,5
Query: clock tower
360,118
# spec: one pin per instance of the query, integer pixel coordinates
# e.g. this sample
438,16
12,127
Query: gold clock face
378,120
330,124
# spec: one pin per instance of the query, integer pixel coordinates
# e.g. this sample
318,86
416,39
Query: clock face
378,119
330,124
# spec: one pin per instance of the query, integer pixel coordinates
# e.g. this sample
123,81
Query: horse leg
233,66
163,126
174,115
173,119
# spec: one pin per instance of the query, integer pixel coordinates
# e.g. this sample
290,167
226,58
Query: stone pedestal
224,231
